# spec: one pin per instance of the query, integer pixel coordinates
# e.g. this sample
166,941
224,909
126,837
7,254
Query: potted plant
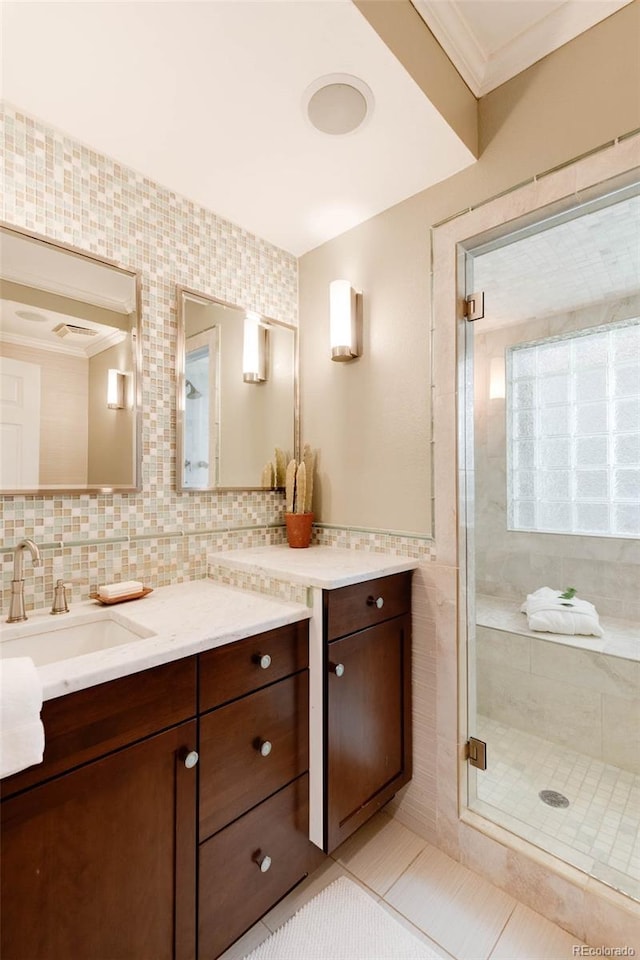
299,495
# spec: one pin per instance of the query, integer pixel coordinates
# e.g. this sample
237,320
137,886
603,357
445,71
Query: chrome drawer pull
264,862
337,668
379,602
265,747
263,660
191,759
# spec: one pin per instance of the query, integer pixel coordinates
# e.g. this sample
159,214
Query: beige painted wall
63,418
370,419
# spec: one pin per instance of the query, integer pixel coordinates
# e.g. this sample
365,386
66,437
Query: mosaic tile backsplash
61,189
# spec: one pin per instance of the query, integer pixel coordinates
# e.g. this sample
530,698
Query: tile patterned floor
599,831
457,913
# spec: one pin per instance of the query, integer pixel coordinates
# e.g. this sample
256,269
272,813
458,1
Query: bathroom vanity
177,782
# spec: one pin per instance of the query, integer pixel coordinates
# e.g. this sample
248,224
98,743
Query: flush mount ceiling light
338,103
31,315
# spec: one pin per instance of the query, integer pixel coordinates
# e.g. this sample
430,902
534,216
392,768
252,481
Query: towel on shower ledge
548,613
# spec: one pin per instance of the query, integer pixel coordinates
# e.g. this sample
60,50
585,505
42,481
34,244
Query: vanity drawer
234,774
352,608
238,668
87,724
233,890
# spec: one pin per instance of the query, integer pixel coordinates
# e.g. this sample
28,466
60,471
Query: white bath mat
342,923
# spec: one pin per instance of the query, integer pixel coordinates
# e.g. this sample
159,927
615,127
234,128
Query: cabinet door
250,865
100,862
234,774
368,724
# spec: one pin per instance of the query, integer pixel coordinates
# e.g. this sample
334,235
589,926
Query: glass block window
573,433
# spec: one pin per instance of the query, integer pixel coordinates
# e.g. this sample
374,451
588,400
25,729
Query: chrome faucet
16,607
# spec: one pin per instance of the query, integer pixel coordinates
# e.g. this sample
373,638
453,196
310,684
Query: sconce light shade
116,389
345,321
496,378
254,350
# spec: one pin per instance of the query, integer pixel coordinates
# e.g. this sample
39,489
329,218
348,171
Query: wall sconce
345,321
254,350
116,389
496,378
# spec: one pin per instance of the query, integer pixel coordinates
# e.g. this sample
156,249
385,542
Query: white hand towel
21,730
127,588
547,612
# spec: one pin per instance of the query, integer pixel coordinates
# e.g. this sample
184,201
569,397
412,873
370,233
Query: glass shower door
552,463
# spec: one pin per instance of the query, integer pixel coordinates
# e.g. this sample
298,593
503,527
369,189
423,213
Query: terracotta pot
298,528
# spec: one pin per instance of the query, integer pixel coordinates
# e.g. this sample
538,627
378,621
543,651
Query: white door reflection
201,455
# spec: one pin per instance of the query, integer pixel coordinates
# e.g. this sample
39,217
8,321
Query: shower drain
553,798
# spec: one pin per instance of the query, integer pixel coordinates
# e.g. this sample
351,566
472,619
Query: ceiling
490,41
206,98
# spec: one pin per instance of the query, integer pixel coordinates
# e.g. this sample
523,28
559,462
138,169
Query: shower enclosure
551,427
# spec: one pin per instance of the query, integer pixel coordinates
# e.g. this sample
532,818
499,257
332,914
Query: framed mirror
237,394
70,412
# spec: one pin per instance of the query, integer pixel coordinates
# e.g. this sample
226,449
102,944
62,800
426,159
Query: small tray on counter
130,596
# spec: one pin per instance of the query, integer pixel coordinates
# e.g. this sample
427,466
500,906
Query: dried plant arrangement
299,498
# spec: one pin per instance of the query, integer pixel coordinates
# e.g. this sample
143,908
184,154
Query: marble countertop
184,619
621,637
315,566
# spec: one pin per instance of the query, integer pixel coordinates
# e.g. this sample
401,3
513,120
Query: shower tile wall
59,188
510,564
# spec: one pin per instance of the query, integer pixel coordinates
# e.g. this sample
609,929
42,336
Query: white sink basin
52,641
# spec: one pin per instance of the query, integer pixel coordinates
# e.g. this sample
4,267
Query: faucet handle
60,604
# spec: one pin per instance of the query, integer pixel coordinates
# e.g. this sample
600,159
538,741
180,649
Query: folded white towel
125,589
548,612
21,730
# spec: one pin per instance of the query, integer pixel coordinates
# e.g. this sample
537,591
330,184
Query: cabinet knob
263,660
337,668
191,759
264,862
265,747
378,601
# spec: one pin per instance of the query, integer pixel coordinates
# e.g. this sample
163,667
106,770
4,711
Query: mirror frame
137,364
181,293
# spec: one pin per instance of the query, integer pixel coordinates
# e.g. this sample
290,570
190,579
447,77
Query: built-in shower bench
581,692
621,637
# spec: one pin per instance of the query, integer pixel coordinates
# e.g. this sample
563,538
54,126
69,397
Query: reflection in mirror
237,393
69,375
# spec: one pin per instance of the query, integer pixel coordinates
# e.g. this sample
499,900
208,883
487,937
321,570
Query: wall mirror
237,394
69,370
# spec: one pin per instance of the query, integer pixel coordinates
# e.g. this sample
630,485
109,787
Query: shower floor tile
600,829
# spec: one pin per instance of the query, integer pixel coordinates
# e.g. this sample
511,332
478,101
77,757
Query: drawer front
233,891
358,606
234,774
238,668
90,723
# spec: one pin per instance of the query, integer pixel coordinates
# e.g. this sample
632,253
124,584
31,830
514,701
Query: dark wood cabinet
235,887
99,861
254,789
367,739
103,843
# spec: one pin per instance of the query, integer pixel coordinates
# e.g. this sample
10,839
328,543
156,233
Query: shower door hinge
474,306
476,753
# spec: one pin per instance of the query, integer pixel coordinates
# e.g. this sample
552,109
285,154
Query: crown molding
483,71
